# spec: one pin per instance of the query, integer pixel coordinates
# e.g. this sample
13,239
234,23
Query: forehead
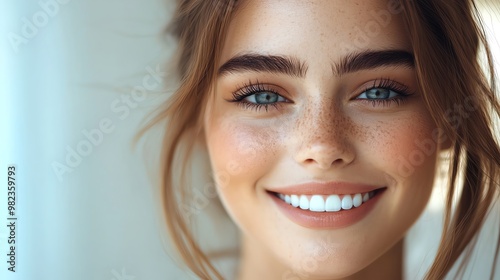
315,29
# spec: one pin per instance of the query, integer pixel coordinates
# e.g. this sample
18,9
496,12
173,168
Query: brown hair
446,41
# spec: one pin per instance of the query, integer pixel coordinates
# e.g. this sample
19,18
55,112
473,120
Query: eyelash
254,88
251,89
387,84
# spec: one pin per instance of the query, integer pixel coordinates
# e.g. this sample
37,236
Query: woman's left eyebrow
292,66
372,59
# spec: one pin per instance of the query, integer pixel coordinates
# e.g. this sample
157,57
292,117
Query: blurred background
77,79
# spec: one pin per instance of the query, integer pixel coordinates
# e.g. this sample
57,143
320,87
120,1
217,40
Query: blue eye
264,97
378,94
258,96
384,92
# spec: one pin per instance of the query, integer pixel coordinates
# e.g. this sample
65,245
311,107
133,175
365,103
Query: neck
259,263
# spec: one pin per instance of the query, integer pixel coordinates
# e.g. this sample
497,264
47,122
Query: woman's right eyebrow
264,63
292,66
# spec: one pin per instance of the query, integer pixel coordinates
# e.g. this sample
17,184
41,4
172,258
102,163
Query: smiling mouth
327,203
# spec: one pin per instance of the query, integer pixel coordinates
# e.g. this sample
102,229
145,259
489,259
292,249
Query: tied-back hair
446,36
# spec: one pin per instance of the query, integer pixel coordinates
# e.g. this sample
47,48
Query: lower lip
324,220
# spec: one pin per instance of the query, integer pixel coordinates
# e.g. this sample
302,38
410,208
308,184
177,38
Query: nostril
321,163
337,161
309,161
324,163
325,155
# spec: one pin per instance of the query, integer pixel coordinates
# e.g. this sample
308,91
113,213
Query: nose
323,138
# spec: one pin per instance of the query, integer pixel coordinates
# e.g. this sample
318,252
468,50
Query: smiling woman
335,120
307,130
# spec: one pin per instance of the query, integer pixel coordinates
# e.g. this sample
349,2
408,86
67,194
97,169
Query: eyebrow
264,63
372,59
294,67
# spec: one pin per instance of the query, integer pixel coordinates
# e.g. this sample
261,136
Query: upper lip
324,188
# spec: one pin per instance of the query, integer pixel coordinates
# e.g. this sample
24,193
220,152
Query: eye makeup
381,92
269,96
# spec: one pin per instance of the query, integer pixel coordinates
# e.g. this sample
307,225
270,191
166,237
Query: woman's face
320,142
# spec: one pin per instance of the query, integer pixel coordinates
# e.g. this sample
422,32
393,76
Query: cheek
402,147
404,150
240,155
242,152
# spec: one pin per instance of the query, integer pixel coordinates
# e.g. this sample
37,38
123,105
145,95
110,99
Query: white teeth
304,202
357,200
294,200
317,204
330,203
333,203
347,202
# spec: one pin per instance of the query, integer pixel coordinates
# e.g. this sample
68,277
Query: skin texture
323,132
